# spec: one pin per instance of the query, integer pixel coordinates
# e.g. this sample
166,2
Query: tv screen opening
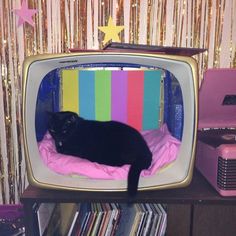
155,94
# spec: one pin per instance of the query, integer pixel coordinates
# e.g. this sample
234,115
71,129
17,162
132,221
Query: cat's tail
134,174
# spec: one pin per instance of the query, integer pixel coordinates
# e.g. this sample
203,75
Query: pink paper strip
135,98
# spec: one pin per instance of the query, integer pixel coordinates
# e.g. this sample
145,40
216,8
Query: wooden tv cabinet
196,210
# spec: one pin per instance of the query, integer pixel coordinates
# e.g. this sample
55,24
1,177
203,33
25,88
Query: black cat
109,142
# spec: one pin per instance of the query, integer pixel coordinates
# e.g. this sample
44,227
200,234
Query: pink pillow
162,144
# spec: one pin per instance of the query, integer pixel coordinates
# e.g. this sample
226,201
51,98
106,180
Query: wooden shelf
192,211
199,191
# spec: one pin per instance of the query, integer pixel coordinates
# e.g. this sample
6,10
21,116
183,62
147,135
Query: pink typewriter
216,147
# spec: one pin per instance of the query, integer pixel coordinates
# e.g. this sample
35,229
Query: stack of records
100,219
105,219
142,219
95,219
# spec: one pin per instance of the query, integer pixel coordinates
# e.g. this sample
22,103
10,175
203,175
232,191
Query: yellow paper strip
70,90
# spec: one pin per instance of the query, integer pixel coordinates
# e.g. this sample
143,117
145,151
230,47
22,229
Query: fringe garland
60,25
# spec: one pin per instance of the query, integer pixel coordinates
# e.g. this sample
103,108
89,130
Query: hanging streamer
65,24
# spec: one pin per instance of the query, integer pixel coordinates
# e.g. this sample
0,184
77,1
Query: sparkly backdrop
60,25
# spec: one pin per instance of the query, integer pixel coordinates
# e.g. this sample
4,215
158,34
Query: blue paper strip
87,94
151,108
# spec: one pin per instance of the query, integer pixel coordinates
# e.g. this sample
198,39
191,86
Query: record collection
102,219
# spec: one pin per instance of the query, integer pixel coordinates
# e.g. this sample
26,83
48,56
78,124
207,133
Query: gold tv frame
178,174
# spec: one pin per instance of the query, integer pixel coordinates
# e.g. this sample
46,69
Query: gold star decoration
111,31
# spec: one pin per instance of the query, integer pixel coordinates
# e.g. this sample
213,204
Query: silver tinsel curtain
63,24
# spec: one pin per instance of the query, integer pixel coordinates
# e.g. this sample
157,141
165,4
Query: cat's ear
74,117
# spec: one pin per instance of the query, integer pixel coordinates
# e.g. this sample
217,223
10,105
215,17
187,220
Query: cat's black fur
109,142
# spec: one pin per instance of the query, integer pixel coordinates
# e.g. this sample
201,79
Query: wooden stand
197,210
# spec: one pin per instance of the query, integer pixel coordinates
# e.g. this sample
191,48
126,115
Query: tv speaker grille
226,176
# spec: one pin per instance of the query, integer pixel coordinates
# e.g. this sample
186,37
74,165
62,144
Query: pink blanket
163,146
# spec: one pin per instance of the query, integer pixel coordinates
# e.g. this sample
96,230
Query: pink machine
216,148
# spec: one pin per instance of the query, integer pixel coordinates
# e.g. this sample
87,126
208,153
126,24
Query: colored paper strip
135,98
103,95
87,94
151,101
70,90
119,96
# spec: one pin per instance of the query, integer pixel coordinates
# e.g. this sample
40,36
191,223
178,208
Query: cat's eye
52,131
64,131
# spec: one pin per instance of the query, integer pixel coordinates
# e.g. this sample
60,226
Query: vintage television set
153,89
